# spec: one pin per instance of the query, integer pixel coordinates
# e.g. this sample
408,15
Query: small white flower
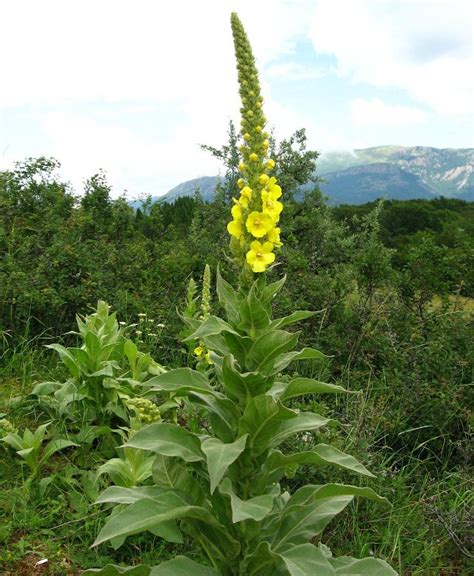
160,325
139,332
141,314
122,323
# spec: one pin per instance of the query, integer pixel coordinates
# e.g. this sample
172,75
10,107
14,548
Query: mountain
363,175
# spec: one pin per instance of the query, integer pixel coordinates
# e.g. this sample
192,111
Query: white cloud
422,47
375,112
294,71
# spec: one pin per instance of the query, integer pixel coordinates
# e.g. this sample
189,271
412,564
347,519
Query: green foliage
104,372
30,446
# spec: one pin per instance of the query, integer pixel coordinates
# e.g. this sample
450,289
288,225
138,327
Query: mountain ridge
365,174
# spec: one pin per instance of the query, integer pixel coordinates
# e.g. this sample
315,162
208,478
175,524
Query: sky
133,87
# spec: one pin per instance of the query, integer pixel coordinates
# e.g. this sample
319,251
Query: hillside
395,172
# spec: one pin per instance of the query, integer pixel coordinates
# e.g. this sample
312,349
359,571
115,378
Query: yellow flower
260,256
199,351
270,205
258,129
246,136
240,182
263,179
242,167
270,164
236,212
258,224
253,157
236,228
245,196
265,144
207,357
273,236
274,189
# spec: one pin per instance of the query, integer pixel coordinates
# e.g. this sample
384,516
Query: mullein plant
224,486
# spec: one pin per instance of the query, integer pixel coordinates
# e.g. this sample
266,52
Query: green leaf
262,419
345,566
239,346
306,354
182,566
146,514
268,348
253,313
179,381
310,509
223,414
211,327
171,474
320,455
302,386
296,316
120,495
168,440
111,570
256,508
304,421
306,560
240,385
220,456
67,358
269,292
228,297
56,446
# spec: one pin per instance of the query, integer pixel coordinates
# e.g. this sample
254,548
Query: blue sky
134,87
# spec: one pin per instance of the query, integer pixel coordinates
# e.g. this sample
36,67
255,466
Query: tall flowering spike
257,210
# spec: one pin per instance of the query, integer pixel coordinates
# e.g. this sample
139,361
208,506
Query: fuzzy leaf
320,455
302,386
168,440
179,381
220,456
256,508
345,566
111,570
303,422
294,317
182,566
262,419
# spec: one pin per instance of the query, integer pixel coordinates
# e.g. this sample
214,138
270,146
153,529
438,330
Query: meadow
103,305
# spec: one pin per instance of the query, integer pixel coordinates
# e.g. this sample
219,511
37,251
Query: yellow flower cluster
255,214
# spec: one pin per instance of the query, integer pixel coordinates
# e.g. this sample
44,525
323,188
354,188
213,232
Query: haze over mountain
393,172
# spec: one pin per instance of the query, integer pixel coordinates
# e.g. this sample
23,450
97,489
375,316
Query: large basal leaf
302,386
147,514
310,509
168,440
346,566
303,422
294,317
111,570
120,495
320,455
262,419
220,456
268,348
256,508
179,381
306,560
182,566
